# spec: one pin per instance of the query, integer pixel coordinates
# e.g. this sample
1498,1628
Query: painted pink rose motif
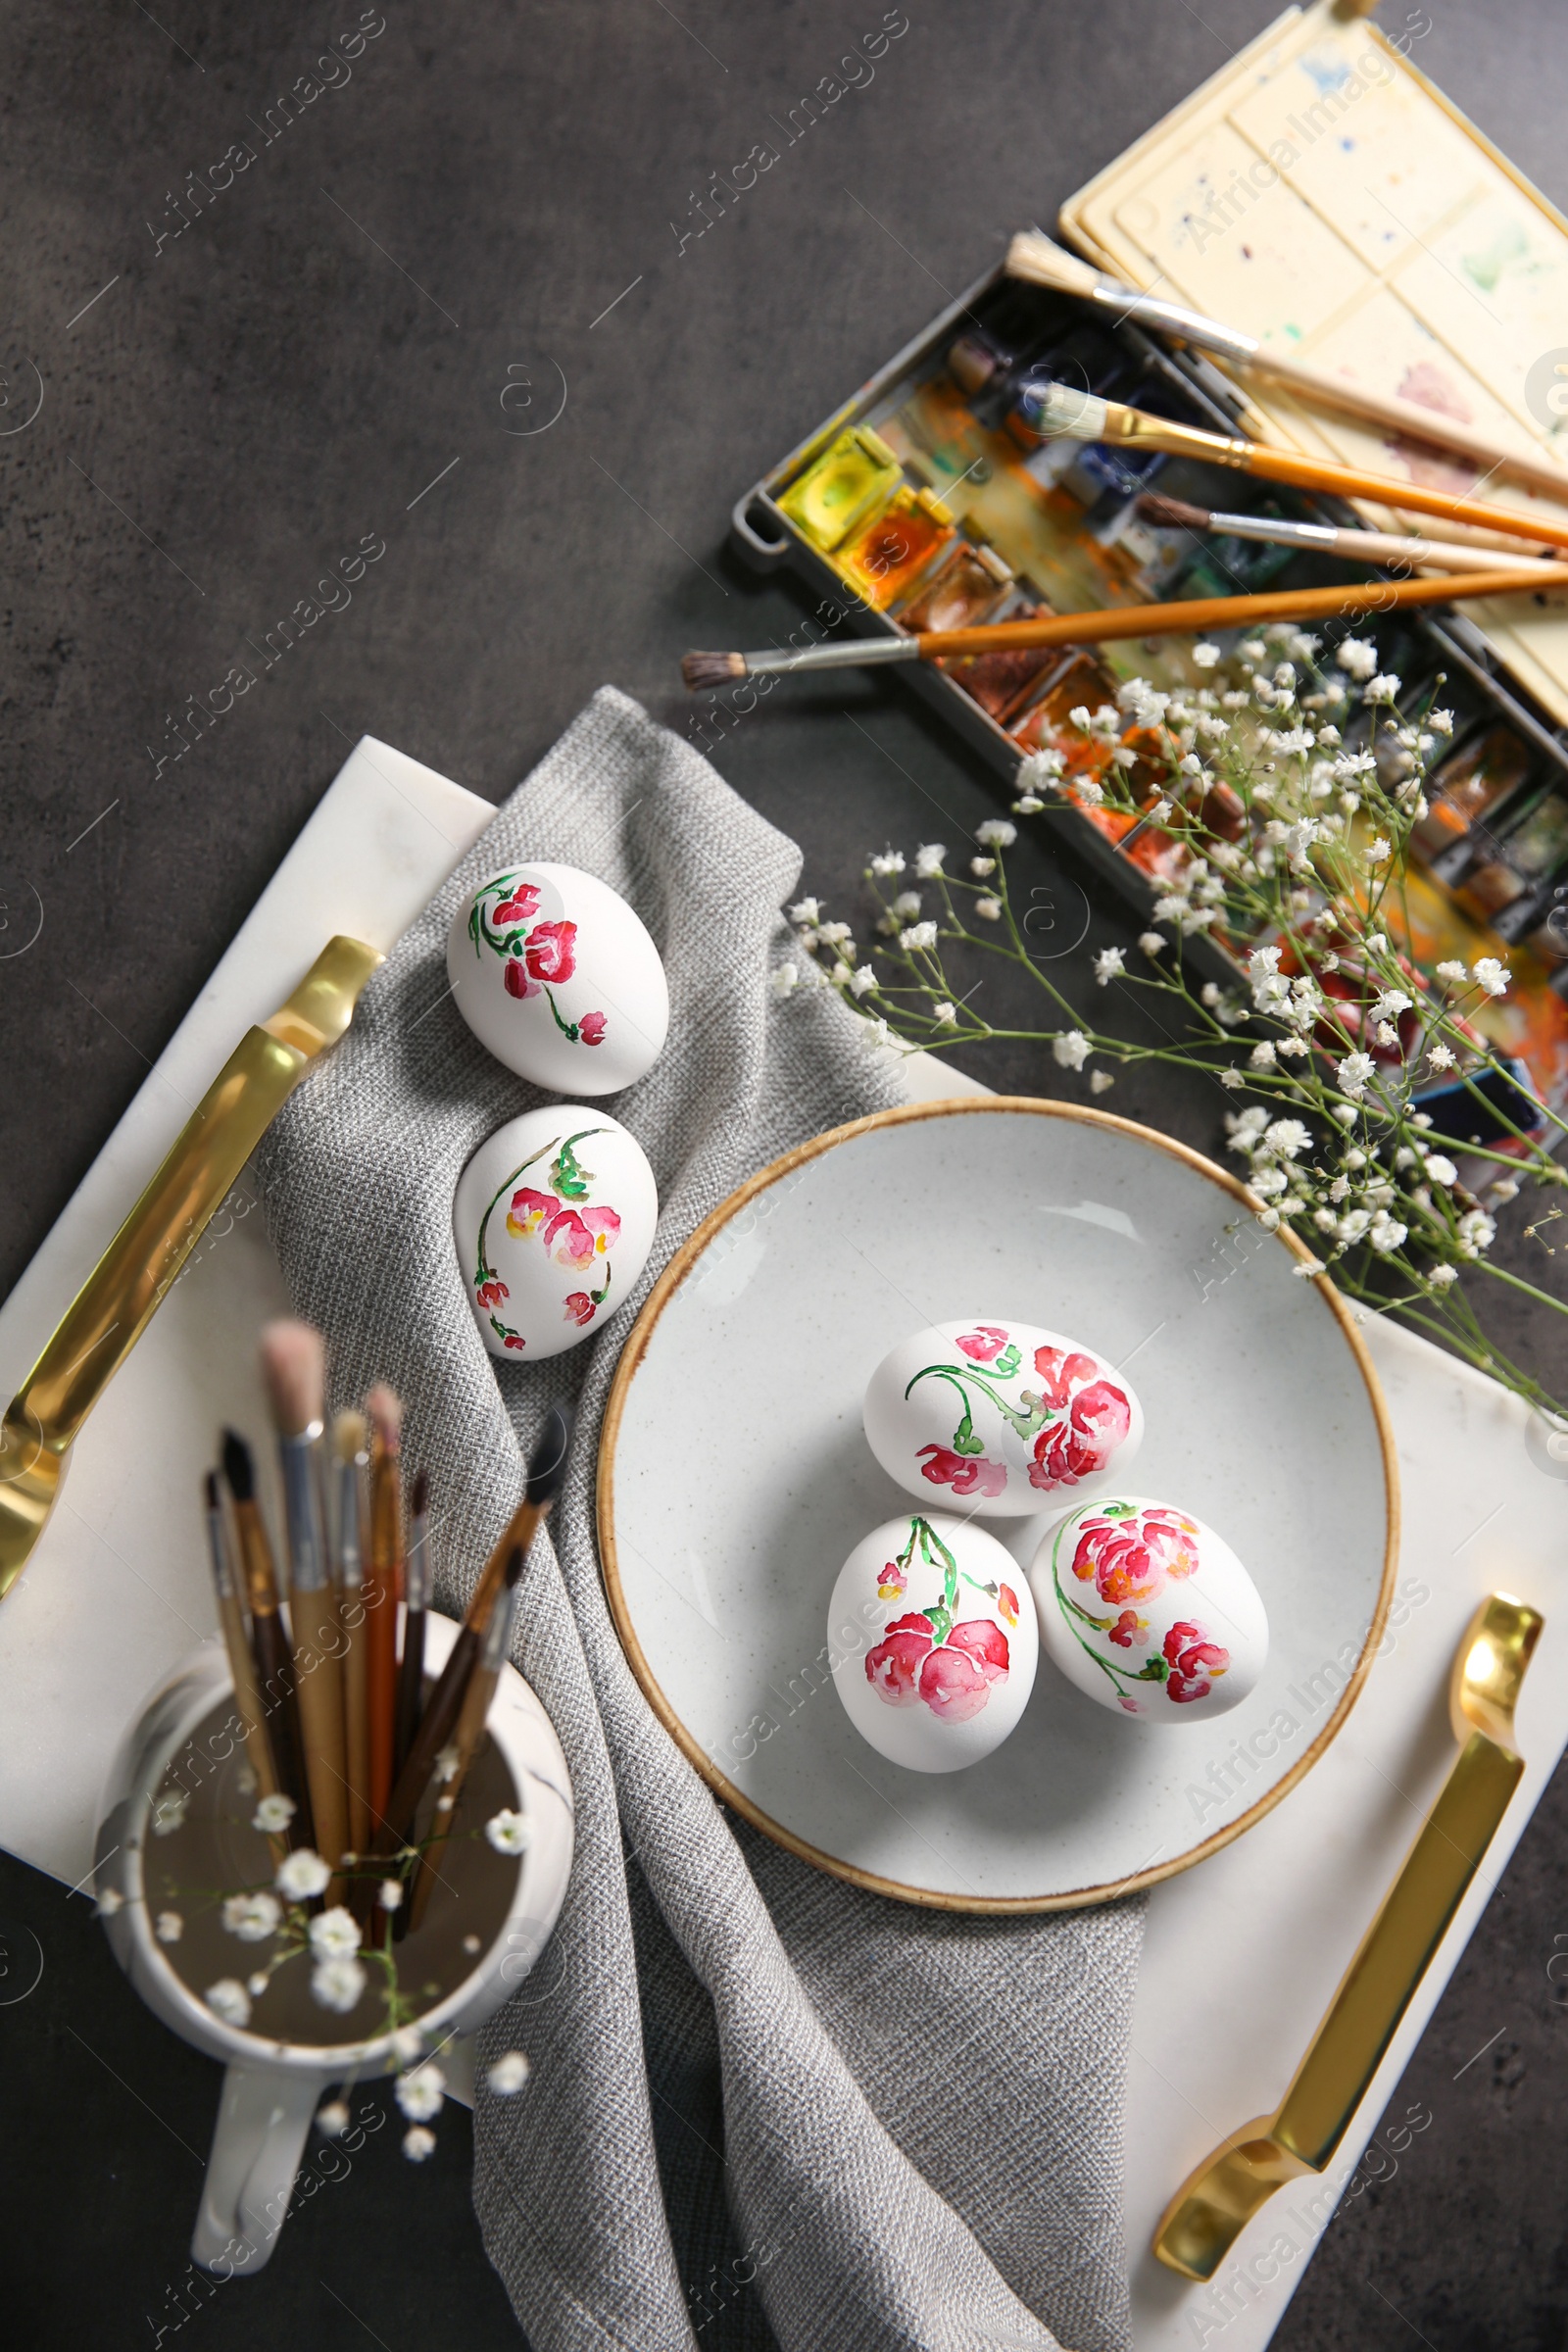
1097,1417
576,1236
574,1233
591,1028
579,1308
520,908
515,978
551,951
1193,1660
1128,1628
529,1210
983,1344
1132,1556
925,1658
963,1472
491,1292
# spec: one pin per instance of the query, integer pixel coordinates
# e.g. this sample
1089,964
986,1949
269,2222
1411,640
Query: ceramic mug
188,1733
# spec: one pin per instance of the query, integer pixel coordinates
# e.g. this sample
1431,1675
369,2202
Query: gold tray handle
114,1303
1209,2212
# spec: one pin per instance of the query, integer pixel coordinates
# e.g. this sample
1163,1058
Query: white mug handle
256,2142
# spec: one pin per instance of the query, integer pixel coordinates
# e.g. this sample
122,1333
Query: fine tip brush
1040,260
236,1642
274,1671
1326,539
416,1602
467,1734
351,1441
546,1474
294,1369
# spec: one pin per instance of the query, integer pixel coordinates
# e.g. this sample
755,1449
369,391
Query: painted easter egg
1148,1610
554,1218
932,1630
555,975
1003,1416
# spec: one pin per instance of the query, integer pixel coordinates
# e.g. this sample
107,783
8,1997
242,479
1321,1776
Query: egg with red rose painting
558,978
1148,1610
553,1218
933,1639
1000,1418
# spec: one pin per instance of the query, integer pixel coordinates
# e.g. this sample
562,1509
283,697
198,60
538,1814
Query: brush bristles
422,1495
214,1499
513,1570
547,1464
294,1368
1044,264
351,1437
702,671
1173,512
385,1408
238,1468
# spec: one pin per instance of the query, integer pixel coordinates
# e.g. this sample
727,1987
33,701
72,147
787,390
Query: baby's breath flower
1443,1278
1453,970
1205,655
257,1984
907,903
1253,649
507,2076
786,979
1070,1050
1384,689
888,861
421,2094
1030,806
109,1902
1232,1078
333,2119
1441,722
1153,943
407,2043
1287,1137
417,2144
335,1932
1353,1072
862,980
918,935
944,1016
253,1917
1269,1219
274,1813
1380,850
928,859
1109,964
1439,1168
1308,1269
507,1831
807,911
169,1926
337,1983
301,1874
389,1895
228,1999
980,867
1491,975
170,1811
996,833
1100,1082
1089,791
1476,1232
989,909
1262,1055
1357,655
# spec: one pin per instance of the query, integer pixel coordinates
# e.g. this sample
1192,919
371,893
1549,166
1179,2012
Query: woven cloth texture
764,2104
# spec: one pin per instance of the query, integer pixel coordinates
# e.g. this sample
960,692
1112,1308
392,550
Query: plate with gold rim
735,1478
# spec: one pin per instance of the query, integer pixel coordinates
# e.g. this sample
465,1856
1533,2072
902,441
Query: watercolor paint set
932,499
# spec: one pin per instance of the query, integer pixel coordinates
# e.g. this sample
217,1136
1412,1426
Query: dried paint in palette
966,590
897,547
1480,774
853,478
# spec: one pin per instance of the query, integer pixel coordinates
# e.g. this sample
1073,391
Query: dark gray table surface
319,358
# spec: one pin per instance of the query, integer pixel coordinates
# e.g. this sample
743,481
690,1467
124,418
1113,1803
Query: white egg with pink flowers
558,978
1000,1418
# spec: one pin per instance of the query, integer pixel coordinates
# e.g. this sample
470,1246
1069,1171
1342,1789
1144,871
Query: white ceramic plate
734,1479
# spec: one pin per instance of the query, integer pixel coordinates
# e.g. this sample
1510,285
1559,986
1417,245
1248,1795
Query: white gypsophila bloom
507,2076
257,1984
1190,765
1356,655
1353,1072
1263,963
1212,726
944,1016
1491,975
1308,1270
1205,655
169,1926
1100,1082
1386,1034
1173,908
1441,722
507,1831
109,1902
1505,1188
1295,739
1380,850
980,867
807,911
1232,1078
1387,1234
1269,1219
1390,1005
1324,1219
1439,1168
989,909
1262,1056
228,1999
1269,1183
928,859
786,979
301,1874
273,1814
878,1033
1384,689
1151,943
1330,736
1340,1189
841,975
335,1932
1246,1127
862,980
1476,1232
888,861
338,1983
1030,806
918,935
1124,758
1442,1277
389,1895
253,1917
1300,839
169,1811
1071,1050
333,2119
1089,791
1287,1137
1350,1226
1345,1112
1210,993
1453,970
407,2042
1294,1046
1040,769
1109,964
421,2092
996,833
834,935
907,903
419,2143
1253,649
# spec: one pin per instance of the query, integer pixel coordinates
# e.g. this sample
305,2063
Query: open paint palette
930,501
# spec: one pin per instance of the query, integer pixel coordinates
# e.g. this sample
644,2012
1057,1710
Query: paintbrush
1354,603
415,1602
385,1572
1324,539
241,1664
547,1468
274,1671
294,1367
460,1751
351,1437
1044,262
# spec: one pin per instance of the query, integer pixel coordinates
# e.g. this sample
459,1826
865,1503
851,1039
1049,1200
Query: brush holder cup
160,1850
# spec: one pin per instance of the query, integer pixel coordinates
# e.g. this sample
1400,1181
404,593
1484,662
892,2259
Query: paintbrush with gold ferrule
275,1668
241,1664
294,1367
1393,548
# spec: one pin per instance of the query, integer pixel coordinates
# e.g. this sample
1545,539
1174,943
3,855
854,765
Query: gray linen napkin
920,2132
